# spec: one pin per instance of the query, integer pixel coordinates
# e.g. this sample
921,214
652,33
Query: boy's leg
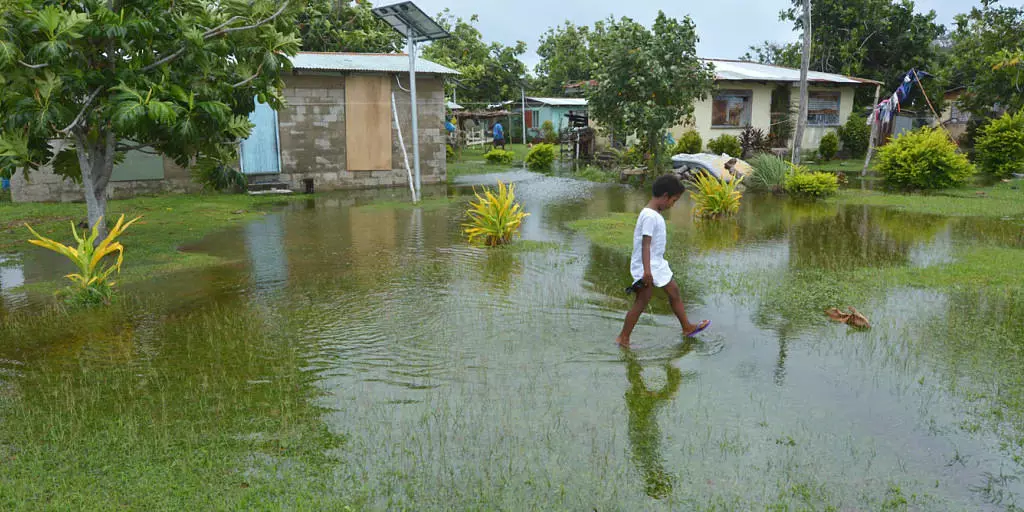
676,301
643,297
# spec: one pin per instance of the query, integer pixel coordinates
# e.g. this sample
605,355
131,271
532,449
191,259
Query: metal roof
752,71
560,102
382,62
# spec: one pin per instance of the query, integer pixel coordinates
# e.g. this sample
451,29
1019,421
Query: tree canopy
785,55
490,72
647,79
566,57
345,26
986,46
108,76
876,39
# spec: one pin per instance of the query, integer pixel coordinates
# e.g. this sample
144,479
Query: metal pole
523,91
874,132
401,143
415,121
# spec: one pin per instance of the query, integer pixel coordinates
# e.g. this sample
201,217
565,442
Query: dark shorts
500,141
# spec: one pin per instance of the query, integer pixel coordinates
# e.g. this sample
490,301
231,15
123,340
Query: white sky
726,27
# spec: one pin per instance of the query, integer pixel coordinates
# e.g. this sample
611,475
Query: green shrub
769,173
219,177
449,153
728,144
689,143
753,141
547,130
499,157
802,184
828,146
632,157
923,159
596,174
541,157
855,135
714,198
999,150
494,218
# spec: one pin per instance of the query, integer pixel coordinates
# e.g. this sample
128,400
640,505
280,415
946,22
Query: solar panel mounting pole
415,120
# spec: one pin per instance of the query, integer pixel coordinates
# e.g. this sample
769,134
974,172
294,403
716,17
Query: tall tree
877,39
108,76
565,57
345,26
647,80
805,62
490,72
984,45
785,55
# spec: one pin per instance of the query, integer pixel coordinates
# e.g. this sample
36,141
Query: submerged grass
1001,200
471,161
114,411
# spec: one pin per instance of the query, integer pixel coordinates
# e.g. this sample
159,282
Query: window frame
839,102
746,116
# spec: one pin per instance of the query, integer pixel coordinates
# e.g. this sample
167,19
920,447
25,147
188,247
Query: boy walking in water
648,262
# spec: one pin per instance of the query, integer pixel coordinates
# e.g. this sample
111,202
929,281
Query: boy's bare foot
622,342
695,329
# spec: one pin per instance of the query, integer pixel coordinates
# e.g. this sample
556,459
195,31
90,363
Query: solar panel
406,17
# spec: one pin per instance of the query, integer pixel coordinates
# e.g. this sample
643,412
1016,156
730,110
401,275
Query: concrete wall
312,132
44,186
760,115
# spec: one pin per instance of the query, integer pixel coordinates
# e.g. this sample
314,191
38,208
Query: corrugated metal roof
752,71
560,102
388,63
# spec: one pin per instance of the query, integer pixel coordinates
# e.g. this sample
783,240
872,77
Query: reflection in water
643,405
12,277
264,241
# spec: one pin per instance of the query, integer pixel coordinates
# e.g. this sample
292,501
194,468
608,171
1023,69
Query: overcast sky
726,27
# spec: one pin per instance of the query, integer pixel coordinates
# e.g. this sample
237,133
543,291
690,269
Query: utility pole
805,64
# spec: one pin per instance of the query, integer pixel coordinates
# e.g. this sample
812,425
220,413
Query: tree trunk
96,159
805,63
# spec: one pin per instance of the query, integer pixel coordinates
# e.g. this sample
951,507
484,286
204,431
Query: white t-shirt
650,223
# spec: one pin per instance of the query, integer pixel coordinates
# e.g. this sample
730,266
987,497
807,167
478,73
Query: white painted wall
760,116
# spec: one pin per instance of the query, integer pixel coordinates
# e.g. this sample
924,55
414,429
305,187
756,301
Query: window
823,109
731,109
533,118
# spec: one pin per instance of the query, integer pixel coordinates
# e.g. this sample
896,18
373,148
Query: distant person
499,136
648,265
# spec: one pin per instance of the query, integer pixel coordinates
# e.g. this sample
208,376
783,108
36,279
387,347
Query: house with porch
337,131
557,110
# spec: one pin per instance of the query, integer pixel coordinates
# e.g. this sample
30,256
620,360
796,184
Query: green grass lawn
850,167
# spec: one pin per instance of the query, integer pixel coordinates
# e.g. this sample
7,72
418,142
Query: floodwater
457,378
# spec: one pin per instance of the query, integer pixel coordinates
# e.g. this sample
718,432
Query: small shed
557,110
338,127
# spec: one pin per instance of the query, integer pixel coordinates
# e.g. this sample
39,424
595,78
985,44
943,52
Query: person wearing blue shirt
499,136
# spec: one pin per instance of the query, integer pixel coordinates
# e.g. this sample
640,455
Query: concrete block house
336,132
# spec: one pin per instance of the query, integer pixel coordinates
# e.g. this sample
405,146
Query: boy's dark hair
667,185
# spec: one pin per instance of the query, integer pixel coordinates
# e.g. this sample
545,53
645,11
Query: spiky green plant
715,198
769,173
92,282
494,219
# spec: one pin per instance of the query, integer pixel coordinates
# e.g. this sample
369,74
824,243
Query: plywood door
260,151
368,123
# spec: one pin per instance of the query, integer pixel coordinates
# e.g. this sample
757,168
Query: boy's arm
646,248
